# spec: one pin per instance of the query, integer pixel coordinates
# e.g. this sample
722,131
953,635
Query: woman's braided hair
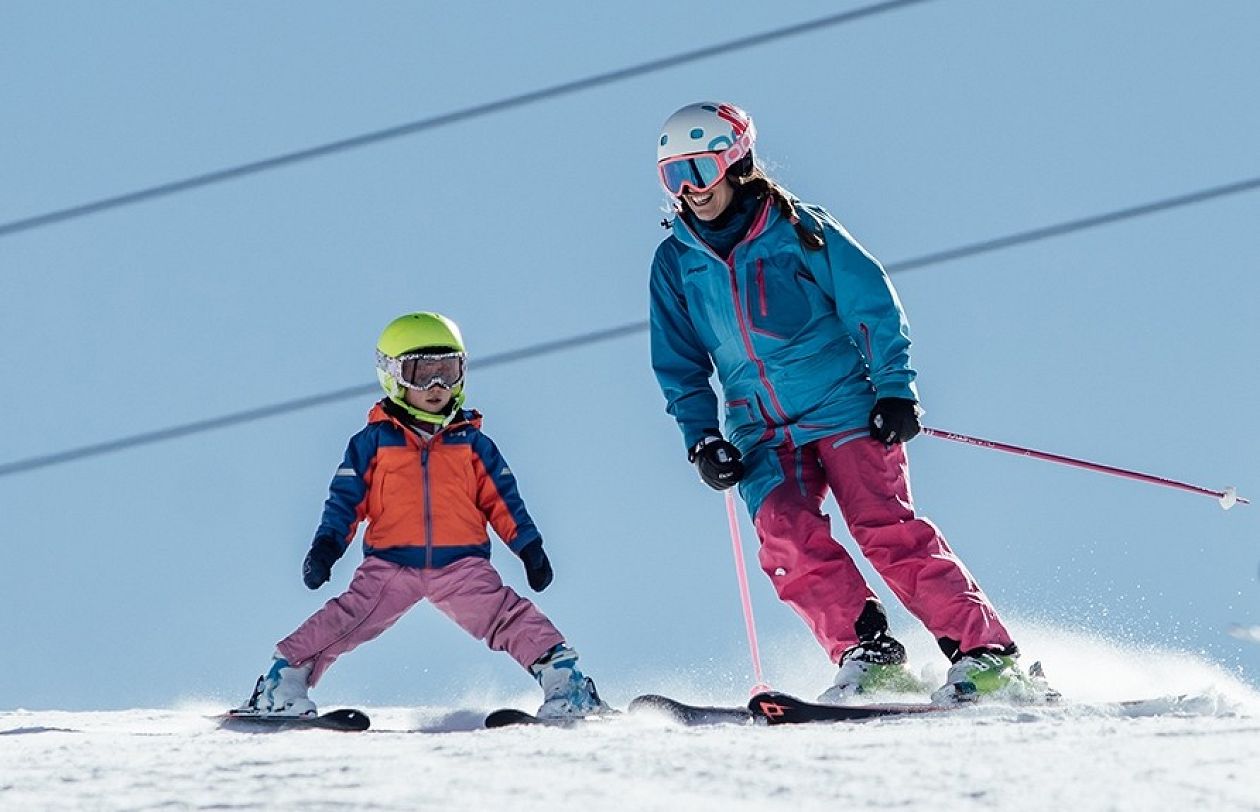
755,180
751,177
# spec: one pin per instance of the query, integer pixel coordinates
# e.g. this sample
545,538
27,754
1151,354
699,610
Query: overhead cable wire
445,119
1083,223
298,404
611,333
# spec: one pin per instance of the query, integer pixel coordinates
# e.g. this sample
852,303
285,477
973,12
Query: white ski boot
875,665
282,691
567,694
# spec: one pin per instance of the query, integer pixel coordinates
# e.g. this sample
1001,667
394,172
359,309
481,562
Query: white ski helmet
719,128
707,127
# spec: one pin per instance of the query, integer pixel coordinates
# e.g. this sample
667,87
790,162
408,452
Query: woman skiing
428,481
811,348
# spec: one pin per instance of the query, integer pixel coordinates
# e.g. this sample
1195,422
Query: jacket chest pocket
704,296
775,296
398,484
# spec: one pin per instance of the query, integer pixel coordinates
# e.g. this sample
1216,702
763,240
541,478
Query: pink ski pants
468,591
815,575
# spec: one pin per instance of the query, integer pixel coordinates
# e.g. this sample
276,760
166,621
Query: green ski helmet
417,351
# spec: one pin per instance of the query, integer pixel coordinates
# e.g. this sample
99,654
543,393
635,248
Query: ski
507,717
781,709
692,715
344,719
511,716
1172,704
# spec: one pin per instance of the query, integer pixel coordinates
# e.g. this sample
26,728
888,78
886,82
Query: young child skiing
811,348
427,481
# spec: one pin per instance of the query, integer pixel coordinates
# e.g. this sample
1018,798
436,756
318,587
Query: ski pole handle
1226,498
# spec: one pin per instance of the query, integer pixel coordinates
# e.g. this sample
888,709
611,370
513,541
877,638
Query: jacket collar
383,411
768,215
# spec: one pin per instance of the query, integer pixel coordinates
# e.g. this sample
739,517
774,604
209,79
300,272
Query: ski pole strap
1227,498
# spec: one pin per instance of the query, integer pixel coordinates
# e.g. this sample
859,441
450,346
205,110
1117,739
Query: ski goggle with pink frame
423,370
700,171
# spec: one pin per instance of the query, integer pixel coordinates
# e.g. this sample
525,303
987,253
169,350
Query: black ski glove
537,567
316,569
895,420
718,462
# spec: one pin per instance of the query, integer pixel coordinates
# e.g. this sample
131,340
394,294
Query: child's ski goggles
423,370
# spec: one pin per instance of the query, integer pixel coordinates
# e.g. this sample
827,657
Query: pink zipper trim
754,231
761,287
744,329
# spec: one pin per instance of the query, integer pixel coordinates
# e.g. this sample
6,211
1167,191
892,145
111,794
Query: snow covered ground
426,758
1202,753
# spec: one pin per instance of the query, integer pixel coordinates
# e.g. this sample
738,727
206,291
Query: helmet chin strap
452,408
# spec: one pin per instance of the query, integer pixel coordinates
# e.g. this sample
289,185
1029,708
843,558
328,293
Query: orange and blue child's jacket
427,501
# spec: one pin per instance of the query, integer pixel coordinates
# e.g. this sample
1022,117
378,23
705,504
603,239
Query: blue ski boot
567,693
282,691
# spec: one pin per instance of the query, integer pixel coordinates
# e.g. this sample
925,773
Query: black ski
511,716
346,719
774,708
781,709
506,717
686,714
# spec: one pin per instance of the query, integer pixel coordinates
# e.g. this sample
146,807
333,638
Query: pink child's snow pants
815,575
468,591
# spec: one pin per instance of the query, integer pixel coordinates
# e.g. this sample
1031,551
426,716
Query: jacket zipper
741,318
428,508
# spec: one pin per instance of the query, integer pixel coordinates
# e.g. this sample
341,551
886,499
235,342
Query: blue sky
168,571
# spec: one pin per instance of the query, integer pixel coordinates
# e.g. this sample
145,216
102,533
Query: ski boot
567,693
874,665
991,675
281,691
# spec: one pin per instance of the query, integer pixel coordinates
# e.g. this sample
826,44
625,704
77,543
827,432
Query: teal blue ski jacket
803,341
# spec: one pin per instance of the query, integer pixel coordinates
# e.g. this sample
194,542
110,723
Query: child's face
432,400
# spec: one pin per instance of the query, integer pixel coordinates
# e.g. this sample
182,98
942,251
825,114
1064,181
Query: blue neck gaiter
728,228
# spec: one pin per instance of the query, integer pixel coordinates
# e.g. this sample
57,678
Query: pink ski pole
1227,498
750,624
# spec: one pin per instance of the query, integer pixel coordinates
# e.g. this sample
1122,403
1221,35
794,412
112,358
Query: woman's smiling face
708,205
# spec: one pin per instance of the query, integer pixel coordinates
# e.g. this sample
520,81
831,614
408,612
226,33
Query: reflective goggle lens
700,172
424,370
